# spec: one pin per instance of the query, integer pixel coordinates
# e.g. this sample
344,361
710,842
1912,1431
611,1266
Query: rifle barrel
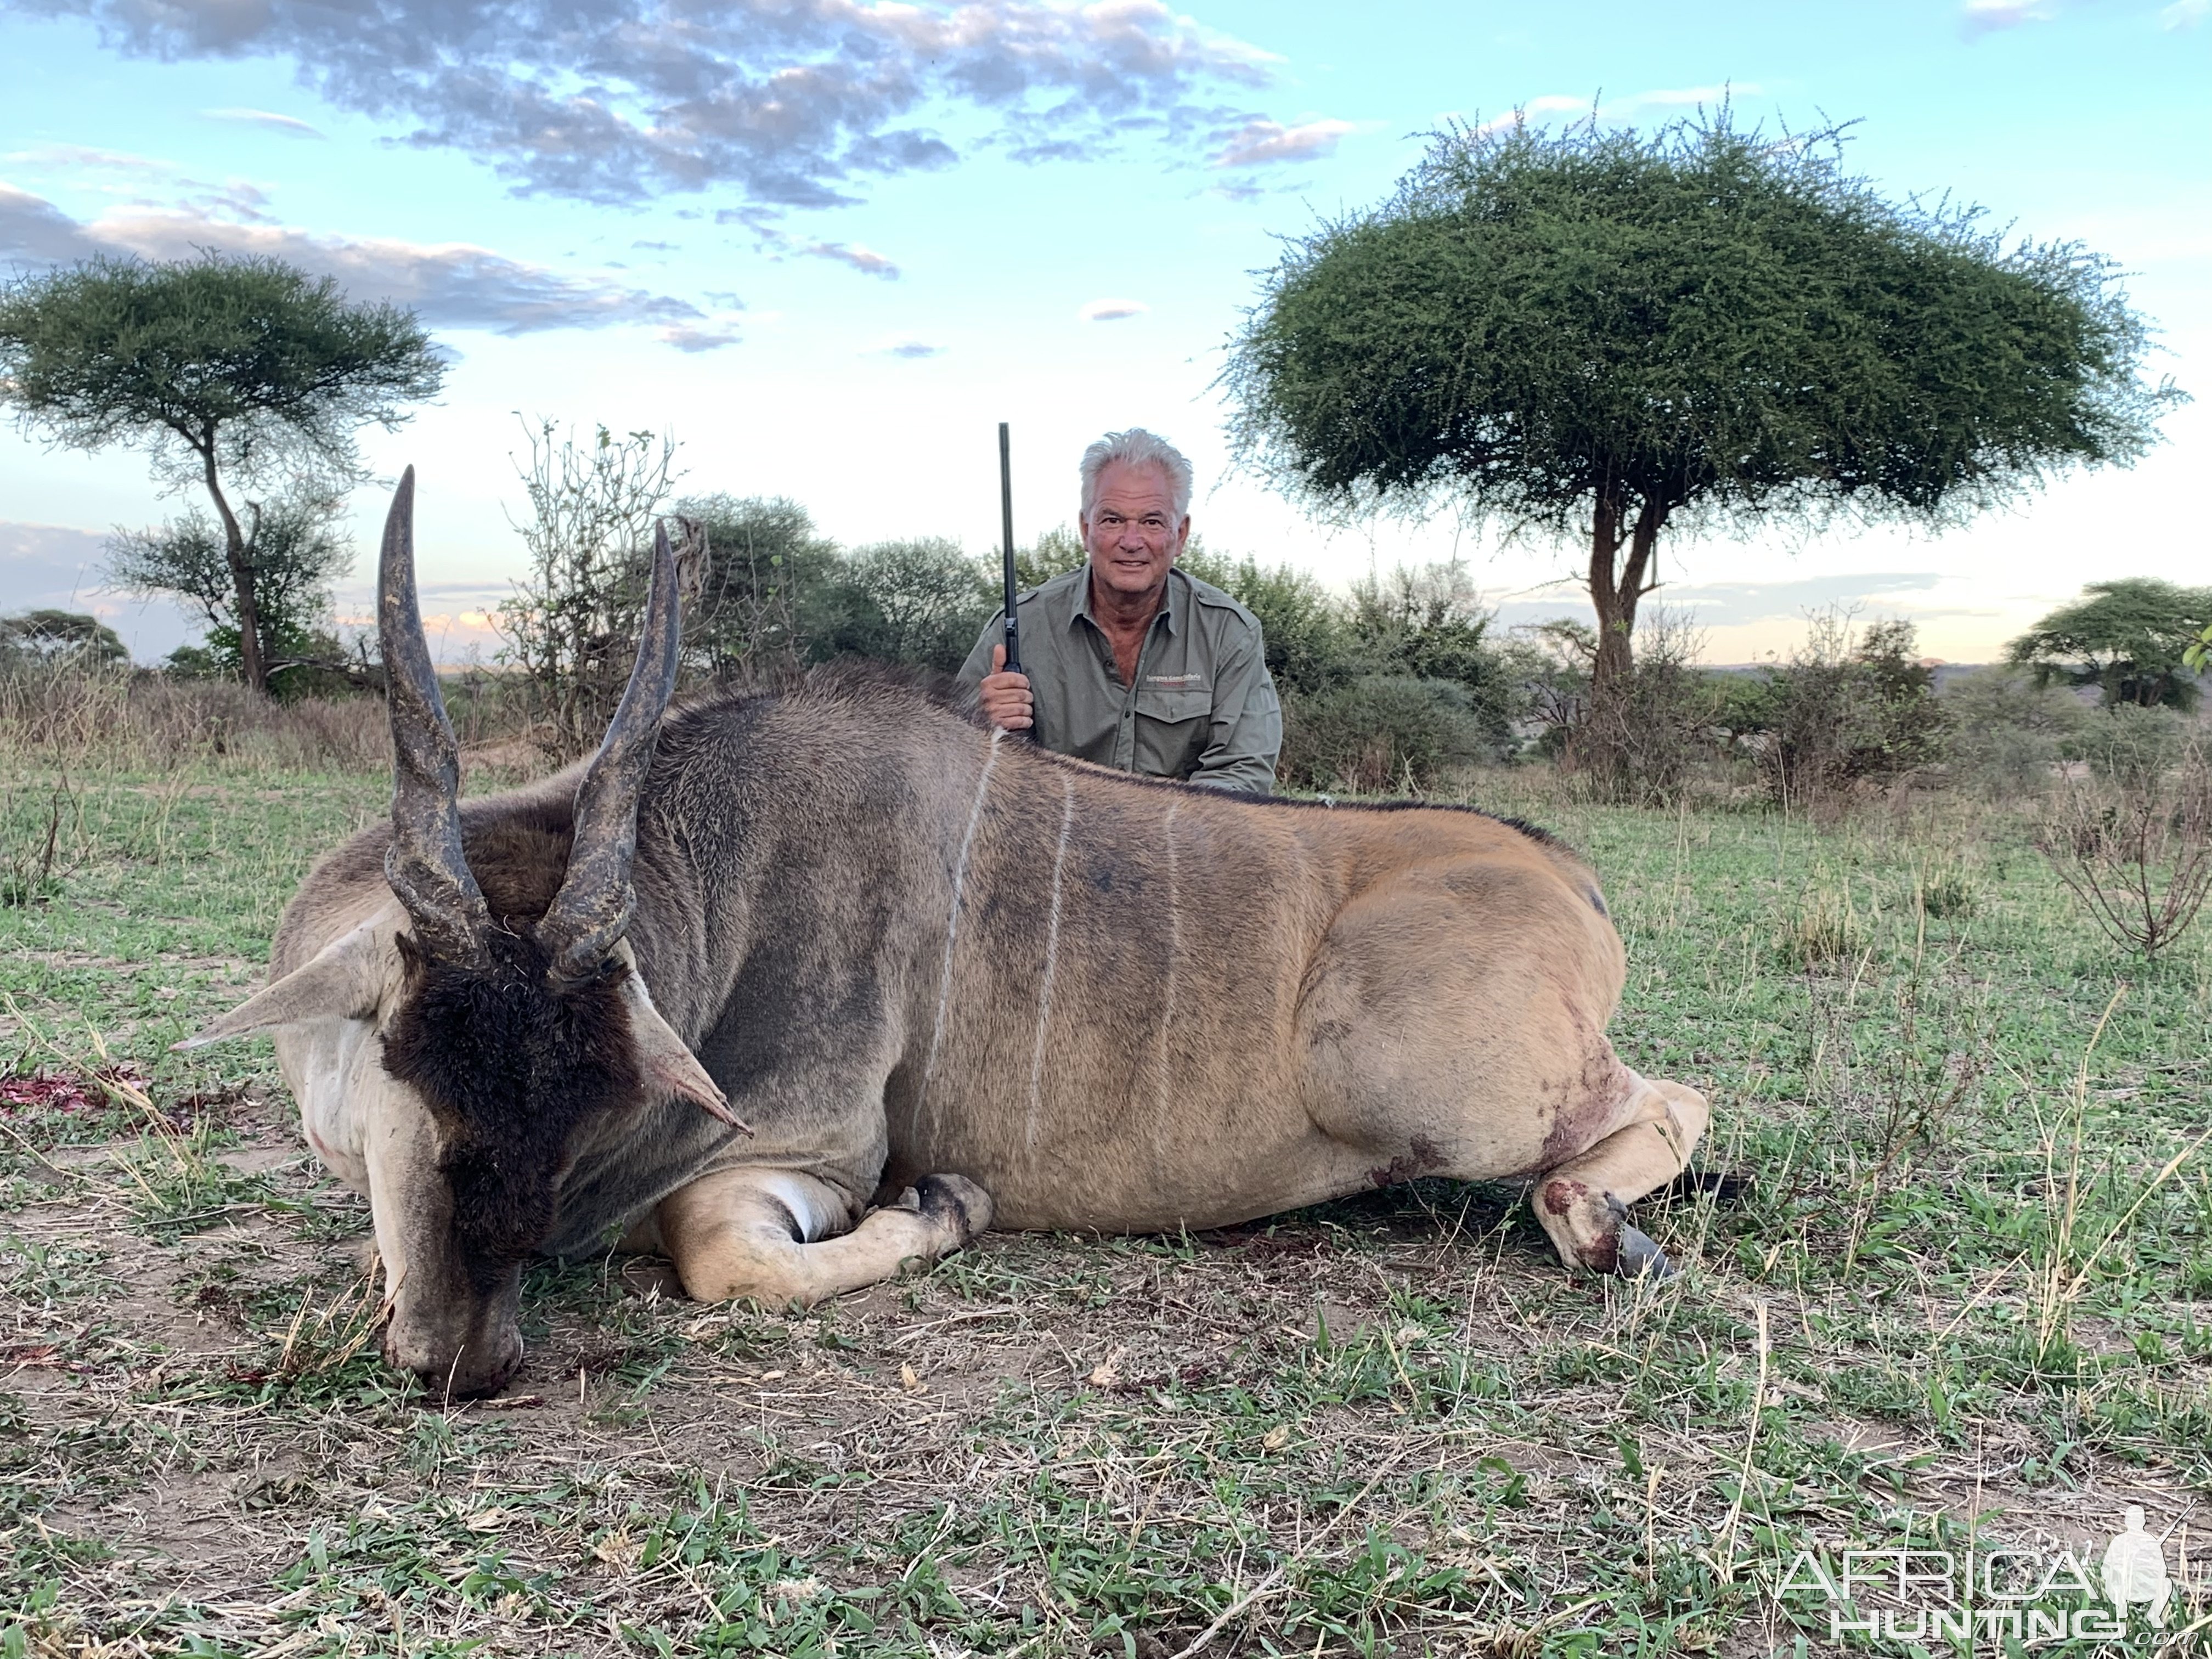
1007,516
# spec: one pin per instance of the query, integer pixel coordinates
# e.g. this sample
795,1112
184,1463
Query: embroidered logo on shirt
1177,682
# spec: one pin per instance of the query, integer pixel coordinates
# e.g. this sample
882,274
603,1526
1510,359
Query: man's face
1131,531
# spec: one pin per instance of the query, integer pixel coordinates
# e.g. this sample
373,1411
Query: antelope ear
345,980
668,1066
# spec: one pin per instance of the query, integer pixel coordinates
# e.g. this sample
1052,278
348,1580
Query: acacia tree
2130,638
1595,332
296,550
49,635
234,373
760,606
920,601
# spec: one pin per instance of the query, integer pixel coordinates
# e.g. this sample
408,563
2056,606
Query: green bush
762,592
1310,650
1362,682
1430,623
2130,746
920,603
1843,709
1385,733
1059,550
298,662
2006,731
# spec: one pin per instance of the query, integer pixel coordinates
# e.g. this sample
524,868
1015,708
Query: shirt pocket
1172,728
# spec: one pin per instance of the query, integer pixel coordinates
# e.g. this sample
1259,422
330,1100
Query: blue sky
829,244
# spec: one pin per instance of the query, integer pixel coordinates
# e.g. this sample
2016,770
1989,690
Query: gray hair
1137,447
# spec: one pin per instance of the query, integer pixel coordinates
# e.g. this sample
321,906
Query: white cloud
2184,14
86,158
777,243
1264,142
290,125
908,347
1536,108
1979,17
36,232
865,260
699,337
452,284
146,181
1621,109
1111,311
1238,189
794,102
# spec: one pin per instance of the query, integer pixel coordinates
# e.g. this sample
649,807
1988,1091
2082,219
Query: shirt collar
1173,603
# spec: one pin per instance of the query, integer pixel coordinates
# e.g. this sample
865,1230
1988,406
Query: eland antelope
799,988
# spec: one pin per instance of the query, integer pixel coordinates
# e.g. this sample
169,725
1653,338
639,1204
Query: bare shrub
352,733
1825,931
1941,888
571,626
1643,736
2133,838
58,704
36,856
1899,1052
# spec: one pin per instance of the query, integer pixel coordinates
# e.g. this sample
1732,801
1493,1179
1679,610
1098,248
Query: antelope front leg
766,1234
1583,1203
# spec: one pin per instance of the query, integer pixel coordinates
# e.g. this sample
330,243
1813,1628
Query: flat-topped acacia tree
2130,637
233,372
1591,331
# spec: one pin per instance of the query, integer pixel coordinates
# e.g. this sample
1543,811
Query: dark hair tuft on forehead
510,1068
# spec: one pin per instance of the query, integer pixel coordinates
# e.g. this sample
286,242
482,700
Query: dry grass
74,721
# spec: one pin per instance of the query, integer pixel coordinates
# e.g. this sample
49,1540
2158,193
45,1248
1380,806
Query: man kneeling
1130,661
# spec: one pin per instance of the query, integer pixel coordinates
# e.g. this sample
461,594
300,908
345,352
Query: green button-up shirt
1203,708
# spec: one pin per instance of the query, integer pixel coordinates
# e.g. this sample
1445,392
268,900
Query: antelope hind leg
765,1234
1583,1203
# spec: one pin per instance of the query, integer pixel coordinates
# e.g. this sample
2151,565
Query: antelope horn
592,908
424,864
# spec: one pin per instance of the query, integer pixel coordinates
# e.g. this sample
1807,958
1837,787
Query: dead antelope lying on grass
768,961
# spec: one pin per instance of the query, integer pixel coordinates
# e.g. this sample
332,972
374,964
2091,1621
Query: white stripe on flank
1051,958
952,923
1168,1002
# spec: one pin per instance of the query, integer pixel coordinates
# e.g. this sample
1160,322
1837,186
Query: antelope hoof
955,1203
1640,1257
